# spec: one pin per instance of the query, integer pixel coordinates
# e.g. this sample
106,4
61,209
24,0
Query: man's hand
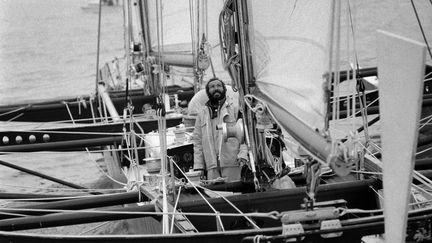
242,161
202,174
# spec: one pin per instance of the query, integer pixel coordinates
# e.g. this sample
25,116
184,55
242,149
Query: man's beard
218,98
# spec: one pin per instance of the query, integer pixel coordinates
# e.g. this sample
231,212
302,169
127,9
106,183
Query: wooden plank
400,68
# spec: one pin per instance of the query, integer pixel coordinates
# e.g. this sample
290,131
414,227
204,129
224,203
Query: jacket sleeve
197,141
243,152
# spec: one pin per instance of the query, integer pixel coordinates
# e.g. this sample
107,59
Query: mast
145,38
245,83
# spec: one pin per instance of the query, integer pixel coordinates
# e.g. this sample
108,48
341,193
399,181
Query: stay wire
421,27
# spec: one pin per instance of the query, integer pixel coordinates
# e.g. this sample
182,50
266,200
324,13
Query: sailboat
289,81
106,4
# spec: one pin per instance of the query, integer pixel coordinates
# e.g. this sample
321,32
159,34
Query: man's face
216,90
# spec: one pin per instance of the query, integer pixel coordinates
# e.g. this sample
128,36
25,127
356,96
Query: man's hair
211,80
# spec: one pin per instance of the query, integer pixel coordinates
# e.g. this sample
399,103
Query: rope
420,189
15,110
232,205
427,122
69,112
220,195
421,29
258,238
194,186
423,151
271,215
423,179
98,44
102,171
251,97
91,108
174,209
93,228
60,189
15,117
161,114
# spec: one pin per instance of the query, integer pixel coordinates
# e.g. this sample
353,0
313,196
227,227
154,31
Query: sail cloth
175,26
178,29
289,41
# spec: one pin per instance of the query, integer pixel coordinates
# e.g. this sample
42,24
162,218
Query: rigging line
232,205
421,29
57,198
367,106
362,102
161,114
98,45
377,193
416,187
278,123
13,214
63,152
192,16
61,189
16,110
137,134
336,80
425,123
353,35
366,172
423,179
94,228
174,209
68,132
271,215
16,117
102,171
134,147
194,186
330,65
373,211
92,109
426,117
368,150
423,151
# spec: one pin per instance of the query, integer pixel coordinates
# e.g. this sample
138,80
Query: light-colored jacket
207,139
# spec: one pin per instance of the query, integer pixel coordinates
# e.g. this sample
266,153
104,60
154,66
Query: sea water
48,50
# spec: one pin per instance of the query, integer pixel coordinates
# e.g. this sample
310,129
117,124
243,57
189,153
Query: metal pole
32,172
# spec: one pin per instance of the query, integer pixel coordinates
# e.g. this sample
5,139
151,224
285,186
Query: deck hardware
32,138
331,224
46,137
292,230
18,139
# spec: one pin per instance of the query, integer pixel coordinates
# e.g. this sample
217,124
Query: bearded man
211,154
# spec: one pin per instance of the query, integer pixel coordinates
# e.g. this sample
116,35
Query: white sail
184,21
290,49
176,25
